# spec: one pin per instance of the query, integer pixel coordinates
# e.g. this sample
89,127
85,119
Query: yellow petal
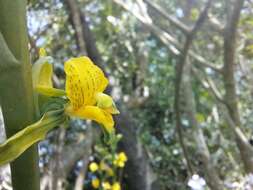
95,183
110,172
42,52
121,164
49,91
93,113
93,166
102,165
116,186
42,73
122,156
106,185
83,81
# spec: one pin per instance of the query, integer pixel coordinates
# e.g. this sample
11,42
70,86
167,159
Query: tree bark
138,169
246,150
203,153
76,22
179,74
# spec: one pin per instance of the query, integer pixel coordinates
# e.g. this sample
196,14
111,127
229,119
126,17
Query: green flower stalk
16,93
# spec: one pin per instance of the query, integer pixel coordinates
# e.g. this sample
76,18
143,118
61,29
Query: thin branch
214,23
211,175
209,85
184,28
179,71
169,41
82,173
75,19
204,63
229,60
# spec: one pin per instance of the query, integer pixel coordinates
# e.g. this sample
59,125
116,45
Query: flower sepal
49,91
106,102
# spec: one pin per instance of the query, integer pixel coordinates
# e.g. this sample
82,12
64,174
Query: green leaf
18,143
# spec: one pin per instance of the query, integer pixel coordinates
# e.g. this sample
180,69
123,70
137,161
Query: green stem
16,93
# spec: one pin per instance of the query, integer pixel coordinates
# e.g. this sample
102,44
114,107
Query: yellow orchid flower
85,83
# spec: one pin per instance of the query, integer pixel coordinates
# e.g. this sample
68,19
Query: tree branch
215,24
209,170
179,74
239,135
184,28
170,42
75,19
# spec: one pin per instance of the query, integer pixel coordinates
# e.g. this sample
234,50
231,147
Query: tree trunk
138,169
209,169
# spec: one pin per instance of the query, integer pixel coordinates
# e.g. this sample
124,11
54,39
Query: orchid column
16,93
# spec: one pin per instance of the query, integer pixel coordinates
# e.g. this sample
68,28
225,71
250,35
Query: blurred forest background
181,74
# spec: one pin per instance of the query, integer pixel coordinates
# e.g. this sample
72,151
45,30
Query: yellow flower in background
85,83
120,160
122,156
93,167
106,185
95,183
116,186
42,52
110,172
104,167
